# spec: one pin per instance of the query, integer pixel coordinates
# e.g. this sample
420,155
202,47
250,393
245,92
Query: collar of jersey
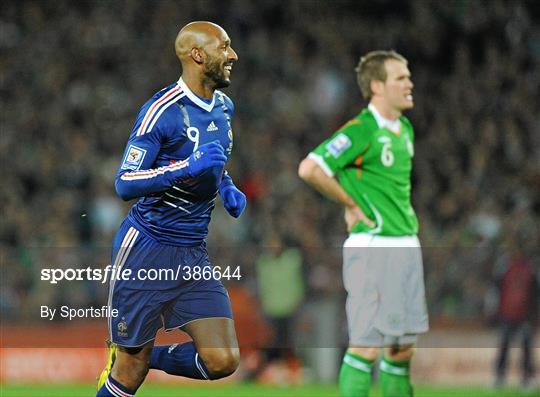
392,125
194,98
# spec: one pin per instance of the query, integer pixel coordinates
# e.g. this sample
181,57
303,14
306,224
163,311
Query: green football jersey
373,165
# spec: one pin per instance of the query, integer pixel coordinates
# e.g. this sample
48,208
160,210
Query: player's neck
385,111
195,84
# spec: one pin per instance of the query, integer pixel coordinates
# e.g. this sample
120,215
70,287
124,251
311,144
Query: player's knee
402,353
221,362
369,353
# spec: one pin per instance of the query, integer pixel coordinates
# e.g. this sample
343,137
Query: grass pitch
247,390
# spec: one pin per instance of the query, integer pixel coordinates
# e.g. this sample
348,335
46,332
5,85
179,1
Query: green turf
247,390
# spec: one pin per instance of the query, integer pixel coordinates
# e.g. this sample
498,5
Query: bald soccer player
174,164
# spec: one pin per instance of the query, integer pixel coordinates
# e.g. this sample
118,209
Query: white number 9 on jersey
387,156
193,135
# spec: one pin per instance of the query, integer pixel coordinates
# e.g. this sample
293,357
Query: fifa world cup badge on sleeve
134,158
338,145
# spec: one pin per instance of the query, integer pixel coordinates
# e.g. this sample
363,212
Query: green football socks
394,378
355,376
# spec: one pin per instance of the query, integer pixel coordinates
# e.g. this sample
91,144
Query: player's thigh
202,308
214,333
215,339
359,278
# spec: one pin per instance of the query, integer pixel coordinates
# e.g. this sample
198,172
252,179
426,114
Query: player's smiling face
220,60
398,86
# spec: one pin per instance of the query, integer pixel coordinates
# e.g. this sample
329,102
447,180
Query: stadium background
74,75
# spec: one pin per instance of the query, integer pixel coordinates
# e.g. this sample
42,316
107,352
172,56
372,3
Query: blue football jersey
168,129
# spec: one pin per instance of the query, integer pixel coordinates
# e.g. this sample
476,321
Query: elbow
121,191
305,169
125,197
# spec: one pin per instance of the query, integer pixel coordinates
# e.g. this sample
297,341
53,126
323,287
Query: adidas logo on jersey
212,127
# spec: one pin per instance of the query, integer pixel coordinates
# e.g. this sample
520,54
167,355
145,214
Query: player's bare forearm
313,174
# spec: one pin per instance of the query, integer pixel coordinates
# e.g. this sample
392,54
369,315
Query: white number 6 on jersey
387,157
193,135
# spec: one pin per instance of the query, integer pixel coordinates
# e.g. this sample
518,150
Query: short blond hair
371,67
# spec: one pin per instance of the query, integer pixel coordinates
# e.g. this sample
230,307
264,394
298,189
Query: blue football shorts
154,286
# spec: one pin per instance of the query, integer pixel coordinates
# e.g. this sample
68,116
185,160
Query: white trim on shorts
121,256
364,240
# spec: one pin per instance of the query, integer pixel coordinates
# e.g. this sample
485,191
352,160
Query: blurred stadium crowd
74,75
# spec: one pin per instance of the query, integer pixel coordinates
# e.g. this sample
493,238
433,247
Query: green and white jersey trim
320,162
382,122
378,218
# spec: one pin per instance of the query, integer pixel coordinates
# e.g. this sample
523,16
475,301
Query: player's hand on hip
206,156
354,215
234,200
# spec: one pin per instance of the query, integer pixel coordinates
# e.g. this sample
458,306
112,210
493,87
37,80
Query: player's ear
197,54
376,86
